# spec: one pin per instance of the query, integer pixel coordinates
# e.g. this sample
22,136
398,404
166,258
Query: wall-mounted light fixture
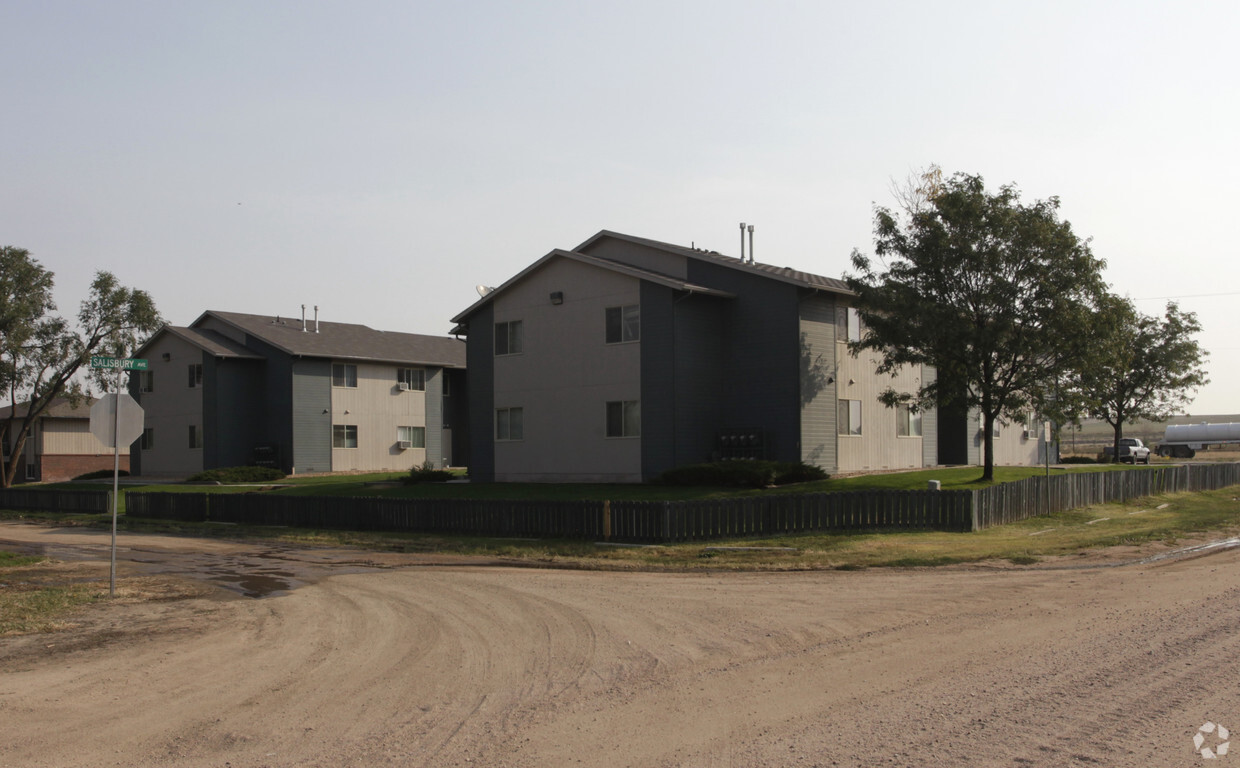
557,297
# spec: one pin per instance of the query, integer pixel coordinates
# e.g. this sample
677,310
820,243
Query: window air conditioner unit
403,444
404,386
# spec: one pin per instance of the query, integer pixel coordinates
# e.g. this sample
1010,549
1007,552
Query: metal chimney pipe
742,241
750,243
316,318
303,318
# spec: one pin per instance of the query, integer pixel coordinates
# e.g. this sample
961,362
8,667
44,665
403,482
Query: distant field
1093,435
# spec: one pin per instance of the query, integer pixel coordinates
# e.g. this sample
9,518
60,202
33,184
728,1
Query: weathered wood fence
669,521
55,501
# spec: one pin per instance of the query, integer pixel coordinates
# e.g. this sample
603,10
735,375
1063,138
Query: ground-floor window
908,422
344,435
195,436
849,417
624,418
509,424
411,437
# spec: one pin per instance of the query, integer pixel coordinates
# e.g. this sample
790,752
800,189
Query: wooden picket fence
36,500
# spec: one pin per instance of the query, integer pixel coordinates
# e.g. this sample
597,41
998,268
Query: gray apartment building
235,389
625,357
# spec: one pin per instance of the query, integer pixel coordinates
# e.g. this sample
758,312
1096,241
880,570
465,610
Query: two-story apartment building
625,357
304,396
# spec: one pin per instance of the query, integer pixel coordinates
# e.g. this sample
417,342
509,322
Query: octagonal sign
103,419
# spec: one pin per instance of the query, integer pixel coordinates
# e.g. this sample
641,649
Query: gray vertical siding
929,425
761,356
658,380
434,417
480,362
232,406
700,376
311,415
819,439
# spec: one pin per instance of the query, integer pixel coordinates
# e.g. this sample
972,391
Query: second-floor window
623,324
411,378
195,375
146,381
508,339
344,375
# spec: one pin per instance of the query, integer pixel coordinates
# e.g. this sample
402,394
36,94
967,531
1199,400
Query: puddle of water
253,584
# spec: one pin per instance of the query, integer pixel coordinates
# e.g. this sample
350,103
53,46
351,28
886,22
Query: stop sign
103,420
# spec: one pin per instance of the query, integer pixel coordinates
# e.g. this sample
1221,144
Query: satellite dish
483,290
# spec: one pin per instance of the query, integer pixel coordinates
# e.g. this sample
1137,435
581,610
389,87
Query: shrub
427,474
99,474
742,473
1078,460
238,475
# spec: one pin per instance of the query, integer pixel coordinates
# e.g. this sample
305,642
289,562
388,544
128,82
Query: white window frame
342,434
908,421
513,334
626,321
623,418
848,418
412,379
504,424
347,377
415,436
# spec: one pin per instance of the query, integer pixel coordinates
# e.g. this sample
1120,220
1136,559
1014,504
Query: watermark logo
1219,739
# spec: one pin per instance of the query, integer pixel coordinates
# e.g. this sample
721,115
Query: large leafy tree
992,292
41,353
1141,367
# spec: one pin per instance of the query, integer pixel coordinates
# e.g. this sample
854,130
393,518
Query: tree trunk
1119,435
988,447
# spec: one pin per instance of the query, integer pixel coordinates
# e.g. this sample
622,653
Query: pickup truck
1131,450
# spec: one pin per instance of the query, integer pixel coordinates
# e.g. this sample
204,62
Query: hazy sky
380,159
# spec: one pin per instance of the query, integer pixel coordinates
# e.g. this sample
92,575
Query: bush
1078,460
427,474
742,474
237,475
99,474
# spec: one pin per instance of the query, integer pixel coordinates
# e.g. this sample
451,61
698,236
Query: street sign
104,421
131,364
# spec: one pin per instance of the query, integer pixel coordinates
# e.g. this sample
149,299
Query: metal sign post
120,365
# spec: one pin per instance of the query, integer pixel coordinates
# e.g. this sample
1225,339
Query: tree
991,292
41,354
1141,367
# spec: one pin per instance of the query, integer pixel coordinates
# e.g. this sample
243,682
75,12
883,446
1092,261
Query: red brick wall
55,468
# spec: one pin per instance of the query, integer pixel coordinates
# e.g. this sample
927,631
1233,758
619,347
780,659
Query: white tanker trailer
1184,440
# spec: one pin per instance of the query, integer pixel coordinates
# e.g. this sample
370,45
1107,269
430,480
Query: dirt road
388,662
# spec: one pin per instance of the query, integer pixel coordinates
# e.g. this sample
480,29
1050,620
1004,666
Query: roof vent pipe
742,242
316,318
303,318
750,243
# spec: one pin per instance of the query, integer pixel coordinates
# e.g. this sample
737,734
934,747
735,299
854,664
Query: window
195,376
509,424
623,324
847,324
148,439
444,378
994,428
146,381
908,422
344,435
849,418
344,375
624,418
414,436
195,437
31,474
411,378
508,338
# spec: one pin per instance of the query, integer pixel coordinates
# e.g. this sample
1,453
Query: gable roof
60,408
211,342
580,254
785,274
674,283
341,341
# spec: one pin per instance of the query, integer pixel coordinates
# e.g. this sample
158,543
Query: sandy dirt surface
391,660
